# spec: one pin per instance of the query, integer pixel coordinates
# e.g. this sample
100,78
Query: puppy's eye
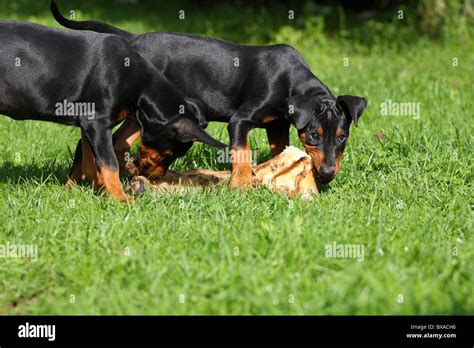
340,139
314,137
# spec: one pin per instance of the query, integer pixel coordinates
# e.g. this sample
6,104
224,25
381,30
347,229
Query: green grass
406,197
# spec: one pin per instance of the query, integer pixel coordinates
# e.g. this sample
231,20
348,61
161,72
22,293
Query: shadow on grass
11,172
323,187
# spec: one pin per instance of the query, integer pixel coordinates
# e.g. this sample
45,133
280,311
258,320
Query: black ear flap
300,109
353,106
186,130
198,109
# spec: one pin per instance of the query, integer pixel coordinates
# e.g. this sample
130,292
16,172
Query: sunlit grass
405,195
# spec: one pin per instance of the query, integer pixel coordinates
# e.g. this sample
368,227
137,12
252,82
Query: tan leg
241,166
240,153
75,177
75,174
89,168
101,177
110,181
124,138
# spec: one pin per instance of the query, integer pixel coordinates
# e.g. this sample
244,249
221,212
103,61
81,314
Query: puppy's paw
137,185
242,178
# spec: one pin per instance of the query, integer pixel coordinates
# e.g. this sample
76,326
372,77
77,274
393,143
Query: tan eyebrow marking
338,132
320,131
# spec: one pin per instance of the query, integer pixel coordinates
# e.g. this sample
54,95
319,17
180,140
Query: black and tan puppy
267,87
93,81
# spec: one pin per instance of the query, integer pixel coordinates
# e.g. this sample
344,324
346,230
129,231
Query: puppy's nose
327,172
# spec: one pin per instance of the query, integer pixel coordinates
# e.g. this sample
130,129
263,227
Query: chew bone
291,172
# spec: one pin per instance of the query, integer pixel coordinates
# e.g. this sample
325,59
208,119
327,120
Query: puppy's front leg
99,162
240,152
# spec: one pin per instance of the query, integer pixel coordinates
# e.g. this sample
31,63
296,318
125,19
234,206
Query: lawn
404,194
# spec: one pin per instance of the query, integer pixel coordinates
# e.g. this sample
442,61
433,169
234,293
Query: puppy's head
323,127
159,149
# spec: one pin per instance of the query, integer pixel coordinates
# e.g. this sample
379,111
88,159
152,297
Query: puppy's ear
186,130
197,108
300,109
353,106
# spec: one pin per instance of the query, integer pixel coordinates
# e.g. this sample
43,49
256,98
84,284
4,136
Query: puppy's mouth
155,171
151,168
323,179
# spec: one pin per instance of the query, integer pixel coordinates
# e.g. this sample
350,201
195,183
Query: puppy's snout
327,171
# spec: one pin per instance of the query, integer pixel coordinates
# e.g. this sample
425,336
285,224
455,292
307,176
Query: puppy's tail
88,25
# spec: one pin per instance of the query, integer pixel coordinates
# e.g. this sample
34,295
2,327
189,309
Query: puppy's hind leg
75,173
278,134
124,137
